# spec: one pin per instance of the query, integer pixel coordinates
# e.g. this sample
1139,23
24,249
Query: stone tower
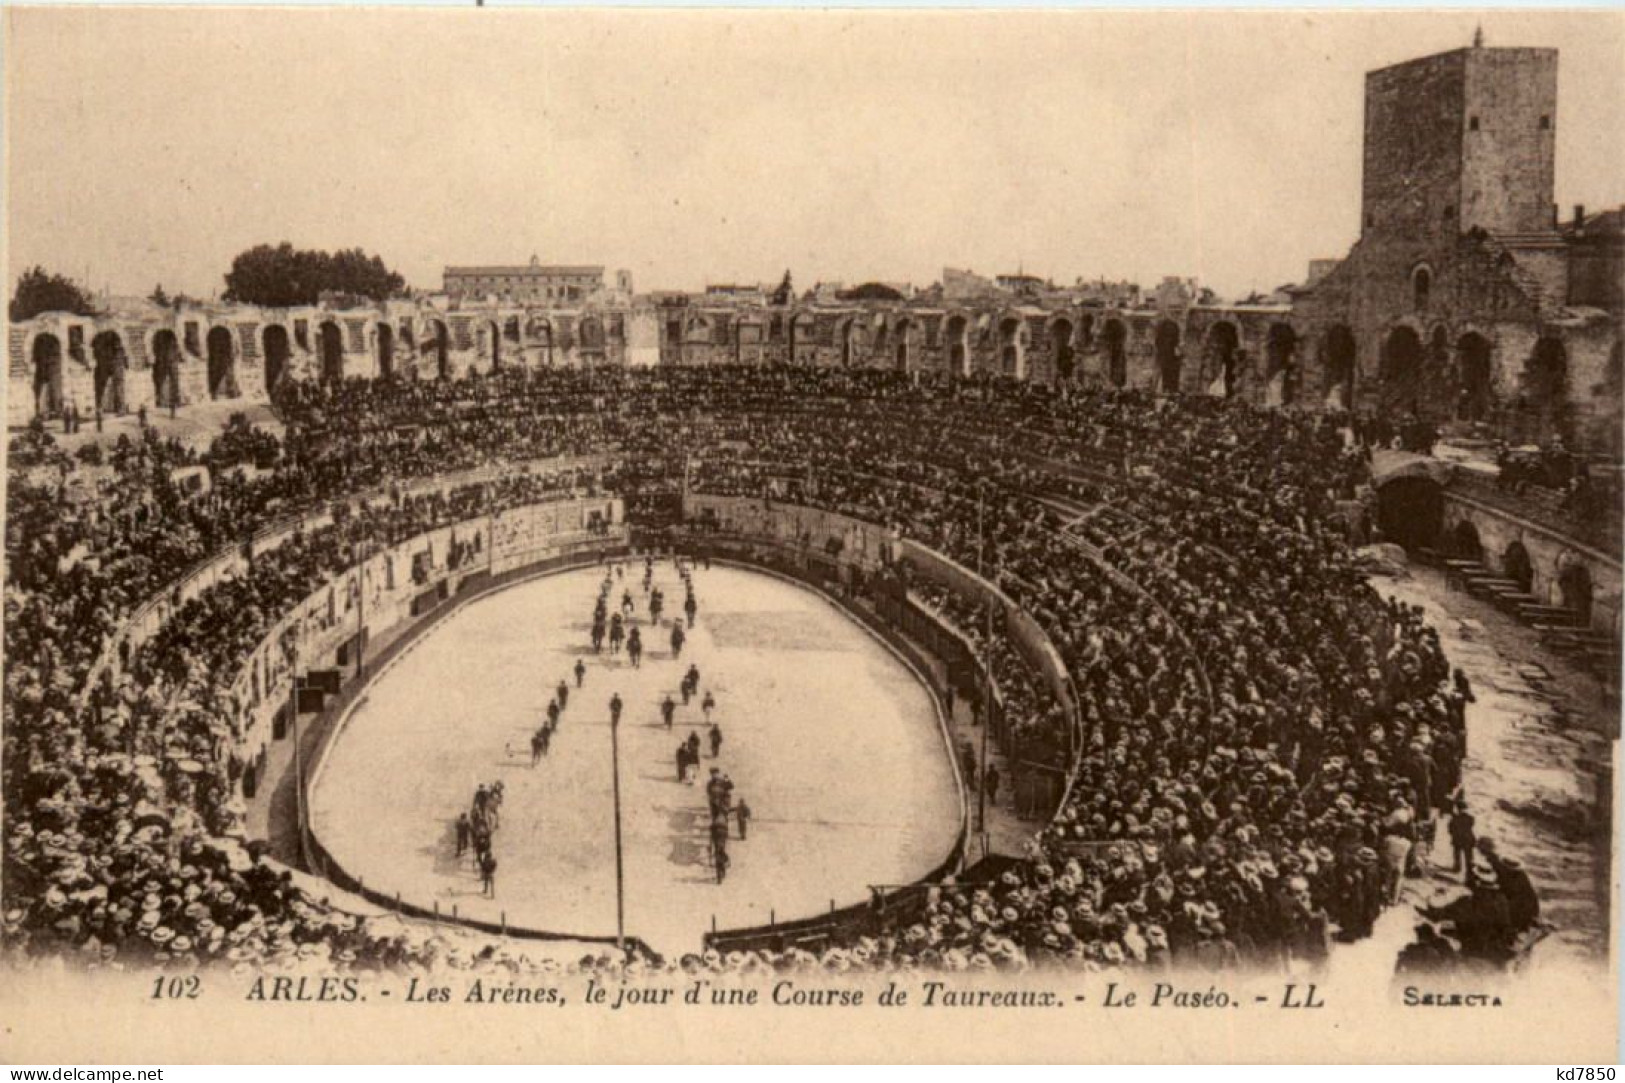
1458,141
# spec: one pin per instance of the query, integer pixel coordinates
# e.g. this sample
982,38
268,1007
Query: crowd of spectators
1255,728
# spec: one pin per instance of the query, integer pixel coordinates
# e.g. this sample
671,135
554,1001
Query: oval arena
1192,707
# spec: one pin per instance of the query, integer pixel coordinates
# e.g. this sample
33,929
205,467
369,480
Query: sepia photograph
925,536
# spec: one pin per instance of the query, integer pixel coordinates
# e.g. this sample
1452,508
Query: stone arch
1546,386
845,337
1518,567
439,343
166,368
1223,348
386,351
1474,367
698,330
1421,287
276,348
1400,371
1574,587
1170,365
956,334
222,362
802,326
493,335
47,362
1465,543
107,349
748,340
1012,348
1281,365
1064,352
1410,511
539,330
1114,340
330,347
590,338
1339,354
903,344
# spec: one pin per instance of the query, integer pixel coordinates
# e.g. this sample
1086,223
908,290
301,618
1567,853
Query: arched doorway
1339,355
1400,370
1114,337
1410,511
958,336
801,333
747,342
1465,543
1516,566
1012,354
440,348
846,333
277,352
1066,358
493,334
330,341
386,351
540,333
1222,341
166,369
222,364
108,350
1546,387
903,344
1281,366
1170,366
1473,381
47,375
591,334
1574,583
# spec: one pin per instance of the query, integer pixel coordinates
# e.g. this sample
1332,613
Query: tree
38,291
870,291
285,276
786,292
158,296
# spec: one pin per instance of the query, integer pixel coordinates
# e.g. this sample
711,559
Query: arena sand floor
828,736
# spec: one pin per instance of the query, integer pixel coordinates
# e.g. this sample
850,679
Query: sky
149,146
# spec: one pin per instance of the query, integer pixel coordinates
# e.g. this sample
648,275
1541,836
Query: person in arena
580,671
488,873
714,734
463,833
742,815
677,640
668,709
634,647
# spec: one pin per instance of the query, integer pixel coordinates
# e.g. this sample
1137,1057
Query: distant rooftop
535,268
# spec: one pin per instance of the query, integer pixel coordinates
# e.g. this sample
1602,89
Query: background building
533,282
